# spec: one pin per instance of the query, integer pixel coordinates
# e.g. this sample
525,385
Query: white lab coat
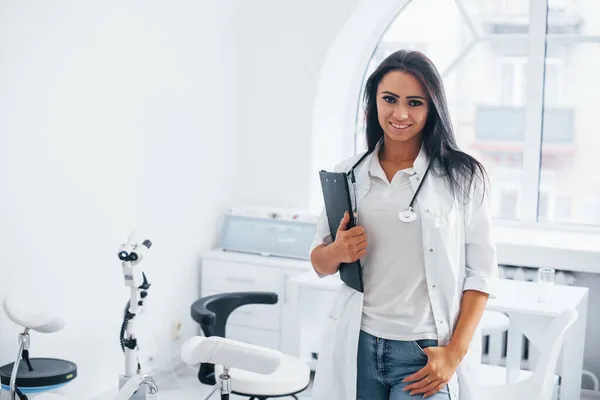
459,255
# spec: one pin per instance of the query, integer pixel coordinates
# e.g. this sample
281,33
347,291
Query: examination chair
291,377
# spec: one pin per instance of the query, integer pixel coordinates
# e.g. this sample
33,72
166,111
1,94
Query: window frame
373,24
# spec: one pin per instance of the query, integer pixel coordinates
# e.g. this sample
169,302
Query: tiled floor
183,384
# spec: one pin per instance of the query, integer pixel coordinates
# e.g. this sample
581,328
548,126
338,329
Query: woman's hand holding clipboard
350,244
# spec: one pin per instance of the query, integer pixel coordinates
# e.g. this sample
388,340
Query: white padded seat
493,322
32,313
292,376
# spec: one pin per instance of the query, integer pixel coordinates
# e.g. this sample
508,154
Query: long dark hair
439,141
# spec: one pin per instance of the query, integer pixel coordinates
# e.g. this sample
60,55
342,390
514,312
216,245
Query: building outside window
531,120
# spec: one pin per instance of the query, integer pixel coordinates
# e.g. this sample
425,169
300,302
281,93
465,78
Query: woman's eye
415,103
389,99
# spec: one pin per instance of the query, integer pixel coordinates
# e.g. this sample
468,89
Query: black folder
336,195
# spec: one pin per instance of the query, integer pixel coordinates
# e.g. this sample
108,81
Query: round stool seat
493,321
47,374
292,376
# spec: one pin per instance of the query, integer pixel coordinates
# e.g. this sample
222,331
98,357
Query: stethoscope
407,215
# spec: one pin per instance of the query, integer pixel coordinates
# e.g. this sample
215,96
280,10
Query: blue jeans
383,364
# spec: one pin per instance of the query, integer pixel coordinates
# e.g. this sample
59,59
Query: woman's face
402,106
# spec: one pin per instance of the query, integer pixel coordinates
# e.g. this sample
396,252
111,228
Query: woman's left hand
441,366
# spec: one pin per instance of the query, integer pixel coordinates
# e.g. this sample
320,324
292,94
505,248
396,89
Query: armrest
212,312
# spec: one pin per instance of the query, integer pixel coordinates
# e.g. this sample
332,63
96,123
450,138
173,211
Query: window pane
508,204
485,80
508,83
543,206
571,131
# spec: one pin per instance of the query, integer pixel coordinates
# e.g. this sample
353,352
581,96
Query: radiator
494,345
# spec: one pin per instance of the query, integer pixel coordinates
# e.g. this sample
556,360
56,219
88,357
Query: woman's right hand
350,244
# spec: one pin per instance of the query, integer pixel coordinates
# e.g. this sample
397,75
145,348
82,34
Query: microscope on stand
131,255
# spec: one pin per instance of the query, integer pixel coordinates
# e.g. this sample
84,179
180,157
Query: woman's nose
401,112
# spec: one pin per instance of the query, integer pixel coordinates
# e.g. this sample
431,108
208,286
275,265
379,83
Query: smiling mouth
400,126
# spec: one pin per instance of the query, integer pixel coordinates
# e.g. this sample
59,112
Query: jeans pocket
420,345
419,348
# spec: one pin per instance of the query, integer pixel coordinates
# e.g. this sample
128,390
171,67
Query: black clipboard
336,195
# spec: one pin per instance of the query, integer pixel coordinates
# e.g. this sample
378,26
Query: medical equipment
42,374
268,232
212,312
131,254
231,354
34,375
408,215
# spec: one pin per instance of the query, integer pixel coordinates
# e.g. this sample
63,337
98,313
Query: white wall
113,116
282,46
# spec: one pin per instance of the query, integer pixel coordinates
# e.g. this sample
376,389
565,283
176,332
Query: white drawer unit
234,277
225,272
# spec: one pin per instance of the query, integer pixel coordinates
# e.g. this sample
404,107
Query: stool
34,375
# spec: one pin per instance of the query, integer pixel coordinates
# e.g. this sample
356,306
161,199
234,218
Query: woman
423,238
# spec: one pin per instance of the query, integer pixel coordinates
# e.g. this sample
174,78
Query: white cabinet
259,324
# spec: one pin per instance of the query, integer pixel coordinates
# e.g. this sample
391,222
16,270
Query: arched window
522,82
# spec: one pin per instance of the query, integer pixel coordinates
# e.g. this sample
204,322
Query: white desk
310,297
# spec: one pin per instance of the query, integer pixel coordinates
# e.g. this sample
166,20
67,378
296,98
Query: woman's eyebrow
408,97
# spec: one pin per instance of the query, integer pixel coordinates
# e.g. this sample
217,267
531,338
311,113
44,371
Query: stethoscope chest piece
408,215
